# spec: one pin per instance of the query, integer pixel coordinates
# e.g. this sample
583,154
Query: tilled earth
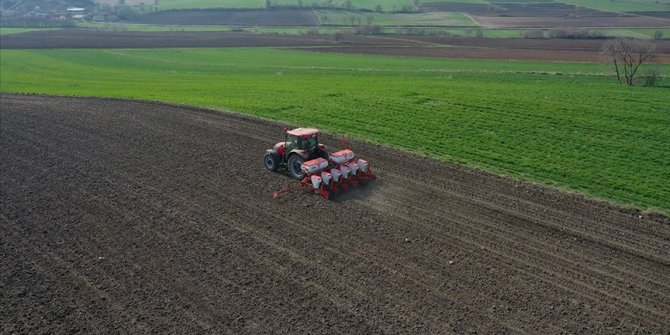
129,217
588,50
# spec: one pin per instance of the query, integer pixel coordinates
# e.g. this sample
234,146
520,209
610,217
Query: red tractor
308,161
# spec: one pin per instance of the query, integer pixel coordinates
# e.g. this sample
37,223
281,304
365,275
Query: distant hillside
127,2
43,6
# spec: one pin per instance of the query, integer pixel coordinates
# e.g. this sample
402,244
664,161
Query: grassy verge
563,124
9,31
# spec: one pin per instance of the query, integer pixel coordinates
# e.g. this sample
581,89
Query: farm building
127,2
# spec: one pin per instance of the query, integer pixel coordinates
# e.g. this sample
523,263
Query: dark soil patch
402,45
275,17
467,52
133,217
664,15
568,22
549,9
82,38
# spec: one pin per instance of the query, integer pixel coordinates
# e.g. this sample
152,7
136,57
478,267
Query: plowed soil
548,9
80,38
130,217
260,17
394,45
573,22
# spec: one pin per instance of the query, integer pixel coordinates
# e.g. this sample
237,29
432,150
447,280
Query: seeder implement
321,173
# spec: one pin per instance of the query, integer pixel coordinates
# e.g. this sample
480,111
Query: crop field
278,17
8,31
138,27
622,5
392,5
559,22
644,33
563,124
341,17
187,4
133,217
606,6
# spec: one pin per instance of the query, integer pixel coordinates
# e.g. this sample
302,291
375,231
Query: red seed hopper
318,171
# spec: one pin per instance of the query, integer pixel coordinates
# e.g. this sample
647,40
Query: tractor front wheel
294,166
271,161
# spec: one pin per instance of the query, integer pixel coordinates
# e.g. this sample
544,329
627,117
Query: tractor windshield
310,144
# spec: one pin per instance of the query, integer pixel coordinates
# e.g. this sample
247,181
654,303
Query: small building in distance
127,2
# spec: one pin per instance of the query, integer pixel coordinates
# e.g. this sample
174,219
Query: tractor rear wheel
271,161
294,166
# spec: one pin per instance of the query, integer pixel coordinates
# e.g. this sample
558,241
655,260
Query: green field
563,124
8,31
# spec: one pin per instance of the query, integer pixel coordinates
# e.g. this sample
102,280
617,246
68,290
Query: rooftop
303,132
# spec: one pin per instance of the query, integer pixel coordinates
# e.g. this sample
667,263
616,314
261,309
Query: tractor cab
299,145
303,138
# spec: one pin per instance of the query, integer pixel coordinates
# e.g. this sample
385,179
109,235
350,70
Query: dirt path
141,217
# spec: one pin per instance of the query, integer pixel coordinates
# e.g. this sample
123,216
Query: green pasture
564,124
9,31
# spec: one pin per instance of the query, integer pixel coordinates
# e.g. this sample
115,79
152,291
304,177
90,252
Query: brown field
665,15
400,45
469,52
136,217
274,17
549,9
82,38
579,22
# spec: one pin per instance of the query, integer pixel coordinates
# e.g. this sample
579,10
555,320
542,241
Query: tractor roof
304,133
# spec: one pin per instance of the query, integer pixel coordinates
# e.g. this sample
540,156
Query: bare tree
658,35
337,37
369,19
627,55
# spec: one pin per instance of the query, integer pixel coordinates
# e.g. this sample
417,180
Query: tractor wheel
294,166
271,161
